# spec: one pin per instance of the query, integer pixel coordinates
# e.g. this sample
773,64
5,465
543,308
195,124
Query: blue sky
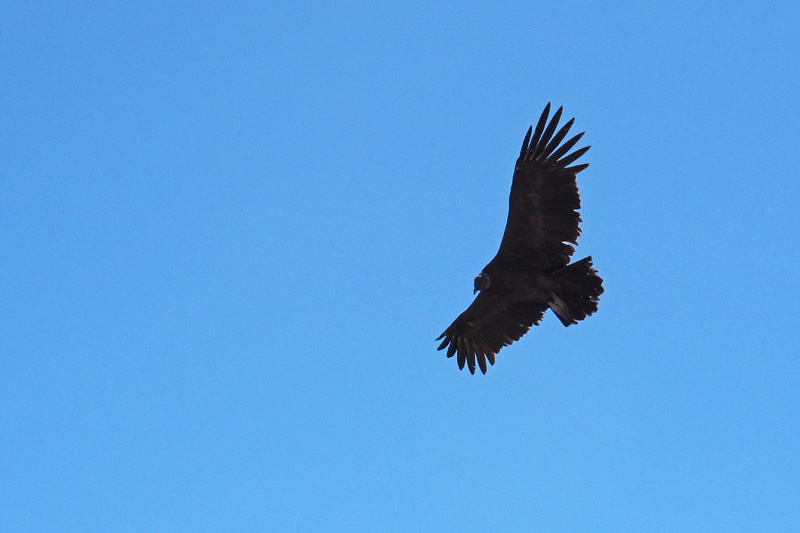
232,232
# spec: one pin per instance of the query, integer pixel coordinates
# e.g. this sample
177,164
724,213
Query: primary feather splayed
531,271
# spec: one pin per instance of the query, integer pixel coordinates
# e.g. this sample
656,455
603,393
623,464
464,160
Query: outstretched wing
487,325
543,206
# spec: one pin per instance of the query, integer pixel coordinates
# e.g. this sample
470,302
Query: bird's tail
579,289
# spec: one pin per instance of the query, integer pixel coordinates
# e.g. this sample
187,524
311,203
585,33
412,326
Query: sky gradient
232,232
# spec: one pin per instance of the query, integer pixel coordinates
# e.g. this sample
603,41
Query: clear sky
231,232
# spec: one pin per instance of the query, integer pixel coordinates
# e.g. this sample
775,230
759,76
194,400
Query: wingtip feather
452,348
539,128
548,133
444,343
482,361
577,168
525,142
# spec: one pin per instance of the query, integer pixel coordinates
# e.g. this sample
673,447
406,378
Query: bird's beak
475,291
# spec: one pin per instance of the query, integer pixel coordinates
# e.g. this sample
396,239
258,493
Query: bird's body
531,271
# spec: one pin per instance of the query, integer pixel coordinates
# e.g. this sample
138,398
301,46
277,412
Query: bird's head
481,282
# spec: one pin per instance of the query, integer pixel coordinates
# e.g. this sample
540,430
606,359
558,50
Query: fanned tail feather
579,292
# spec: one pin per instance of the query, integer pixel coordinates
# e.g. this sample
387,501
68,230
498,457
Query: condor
531,271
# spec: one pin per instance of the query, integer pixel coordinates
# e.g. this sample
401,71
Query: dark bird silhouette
531,270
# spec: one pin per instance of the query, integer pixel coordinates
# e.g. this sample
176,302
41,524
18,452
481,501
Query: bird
531,271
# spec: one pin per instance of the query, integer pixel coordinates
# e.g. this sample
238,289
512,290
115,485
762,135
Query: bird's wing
543,206
487,325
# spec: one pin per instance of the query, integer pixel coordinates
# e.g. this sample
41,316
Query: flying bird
531,271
